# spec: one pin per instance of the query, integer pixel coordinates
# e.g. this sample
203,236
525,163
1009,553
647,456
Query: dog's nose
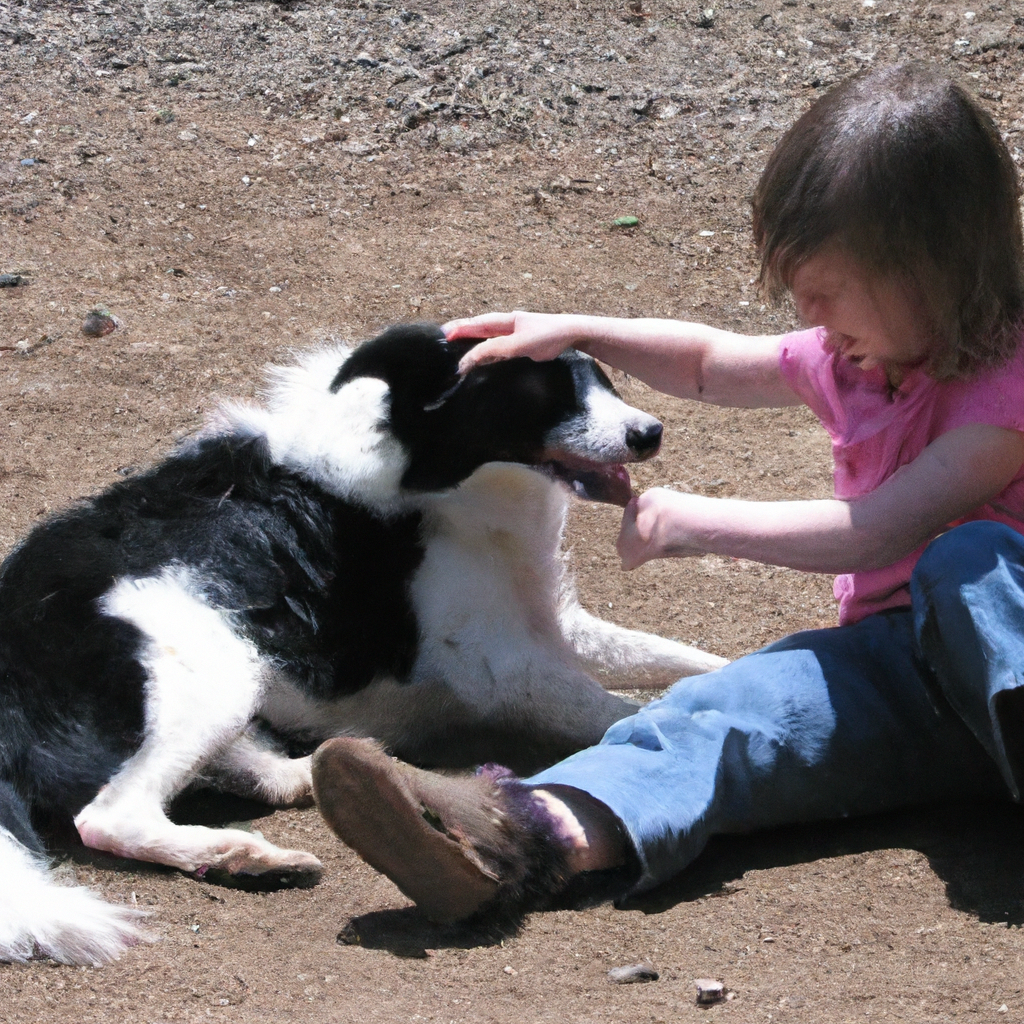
644,440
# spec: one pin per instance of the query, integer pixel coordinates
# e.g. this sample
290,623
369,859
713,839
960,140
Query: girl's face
871,321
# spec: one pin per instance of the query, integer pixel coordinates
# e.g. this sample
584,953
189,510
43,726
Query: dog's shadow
976,849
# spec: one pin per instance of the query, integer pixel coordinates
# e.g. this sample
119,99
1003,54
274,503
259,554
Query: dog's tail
39,916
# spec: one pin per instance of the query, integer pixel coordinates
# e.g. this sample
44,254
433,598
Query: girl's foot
460,846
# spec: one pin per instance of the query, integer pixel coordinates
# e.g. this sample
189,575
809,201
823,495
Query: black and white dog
376,552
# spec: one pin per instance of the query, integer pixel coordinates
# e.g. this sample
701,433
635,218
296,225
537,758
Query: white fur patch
39,916
599,433
339,440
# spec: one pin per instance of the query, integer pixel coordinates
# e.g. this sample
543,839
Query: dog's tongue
610,484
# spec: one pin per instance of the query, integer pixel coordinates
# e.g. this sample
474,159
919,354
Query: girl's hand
657,524
539,336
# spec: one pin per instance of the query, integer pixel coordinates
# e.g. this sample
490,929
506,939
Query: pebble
632,974
709,991
28,162
98,324
12,280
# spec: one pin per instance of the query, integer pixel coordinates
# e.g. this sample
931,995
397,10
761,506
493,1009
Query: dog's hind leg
250,769
202,689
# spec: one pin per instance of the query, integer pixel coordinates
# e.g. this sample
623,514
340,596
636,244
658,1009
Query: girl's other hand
659,524
539,336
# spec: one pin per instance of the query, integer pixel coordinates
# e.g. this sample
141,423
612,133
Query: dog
376,551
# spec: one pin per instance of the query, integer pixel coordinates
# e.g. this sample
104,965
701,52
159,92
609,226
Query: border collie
375,552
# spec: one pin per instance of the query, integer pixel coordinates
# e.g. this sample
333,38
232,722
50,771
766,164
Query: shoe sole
370,803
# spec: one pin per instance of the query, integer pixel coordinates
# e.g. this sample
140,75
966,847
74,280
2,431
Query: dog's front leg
621,658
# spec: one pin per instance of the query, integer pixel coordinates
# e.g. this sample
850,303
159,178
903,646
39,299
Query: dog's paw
253,855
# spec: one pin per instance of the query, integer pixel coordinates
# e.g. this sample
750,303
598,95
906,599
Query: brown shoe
456,846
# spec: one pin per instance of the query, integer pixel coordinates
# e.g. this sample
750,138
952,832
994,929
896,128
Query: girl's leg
968,600
823,724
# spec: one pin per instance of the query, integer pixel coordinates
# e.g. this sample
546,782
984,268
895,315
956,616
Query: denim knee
963,554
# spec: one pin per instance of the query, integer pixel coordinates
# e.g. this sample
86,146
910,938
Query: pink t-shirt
876,429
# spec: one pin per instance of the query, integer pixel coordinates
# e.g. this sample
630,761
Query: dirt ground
232,180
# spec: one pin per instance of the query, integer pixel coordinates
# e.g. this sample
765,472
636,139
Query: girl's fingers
492,351
487,325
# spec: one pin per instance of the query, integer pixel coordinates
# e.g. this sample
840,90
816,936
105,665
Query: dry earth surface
232,180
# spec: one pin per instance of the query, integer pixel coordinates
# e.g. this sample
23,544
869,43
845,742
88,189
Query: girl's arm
682,359
953,476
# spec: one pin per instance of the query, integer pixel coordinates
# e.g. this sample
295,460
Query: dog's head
562,416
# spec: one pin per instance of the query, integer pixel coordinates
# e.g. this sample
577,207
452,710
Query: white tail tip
39,916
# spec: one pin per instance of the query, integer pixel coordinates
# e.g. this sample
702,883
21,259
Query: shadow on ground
976,849
407,933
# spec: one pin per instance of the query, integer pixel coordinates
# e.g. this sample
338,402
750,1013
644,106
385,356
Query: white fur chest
486,595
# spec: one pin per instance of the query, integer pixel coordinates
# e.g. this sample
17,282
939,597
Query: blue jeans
905,707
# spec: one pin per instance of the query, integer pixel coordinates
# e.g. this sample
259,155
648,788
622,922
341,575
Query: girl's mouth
842,345
838,342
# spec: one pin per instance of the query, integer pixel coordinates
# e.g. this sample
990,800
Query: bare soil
232,180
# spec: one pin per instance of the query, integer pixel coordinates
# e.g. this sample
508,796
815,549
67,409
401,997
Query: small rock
632,974
98,324
12,280
510,970
706,18
28,162
709,991
187,136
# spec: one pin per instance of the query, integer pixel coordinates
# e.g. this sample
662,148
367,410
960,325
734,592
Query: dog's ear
414,360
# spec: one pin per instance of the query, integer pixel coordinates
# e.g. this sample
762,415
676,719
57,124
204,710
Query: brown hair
904,170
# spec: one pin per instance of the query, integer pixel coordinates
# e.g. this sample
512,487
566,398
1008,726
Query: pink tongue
620,488
610,484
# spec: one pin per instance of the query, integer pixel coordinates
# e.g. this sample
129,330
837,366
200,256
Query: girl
890,213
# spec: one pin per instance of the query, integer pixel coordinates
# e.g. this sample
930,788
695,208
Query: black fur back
259,542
